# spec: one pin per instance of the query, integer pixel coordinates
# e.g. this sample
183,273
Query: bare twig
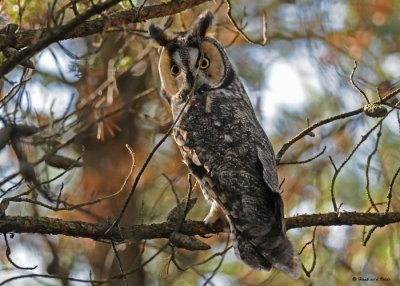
83,129
219,264
308,272
371,231
21,83
8,253
355,85
202,262
368,165
240,30
304,161
333,163
121,268
389,196
69,206
171,183
337,171
306,131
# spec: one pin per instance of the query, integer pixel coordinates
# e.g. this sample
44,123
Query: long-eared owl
224,146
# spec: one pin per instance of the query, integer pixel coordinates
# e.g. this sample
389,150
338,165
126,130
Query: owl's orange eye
175,70
204,64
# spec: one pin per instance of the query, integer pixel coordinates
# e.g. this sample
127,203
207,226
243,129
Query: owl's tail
262,251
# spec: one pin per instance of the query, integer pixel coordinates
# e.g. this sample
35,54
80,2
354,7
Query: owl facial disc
190,59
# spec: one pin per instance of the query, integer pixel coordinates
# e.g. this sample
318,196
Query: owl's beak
187,82
190,79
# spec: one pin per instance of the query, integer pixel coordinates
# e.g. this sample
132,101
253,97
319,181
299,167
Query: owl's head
191,59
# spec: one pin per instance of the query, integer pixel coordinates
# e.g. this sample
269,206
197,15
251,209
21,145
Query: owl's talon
214,215
210,219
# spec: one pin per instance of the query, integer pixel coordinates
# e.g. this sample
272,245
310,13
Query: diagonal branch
306,131
80,27
53,35
26,37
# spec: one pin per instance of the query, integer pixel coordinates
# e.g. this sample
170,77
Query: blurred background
91,96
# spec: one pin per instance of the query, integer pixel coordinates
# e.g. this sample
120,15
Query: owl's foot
215,214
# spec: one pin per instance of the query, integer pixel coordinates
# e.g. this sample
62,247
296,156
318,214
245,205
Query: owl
224,145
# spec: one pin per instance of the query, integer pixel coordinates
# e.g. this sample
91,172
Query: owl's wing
267,160
266,156
265,152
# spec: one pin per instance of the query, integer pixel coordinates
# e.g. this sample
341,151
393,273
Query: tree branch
36,40
306,131
45,225
87,28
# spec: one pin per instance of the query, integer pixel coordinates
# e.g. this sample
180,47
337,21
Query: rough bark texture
135,15
36,40
45,225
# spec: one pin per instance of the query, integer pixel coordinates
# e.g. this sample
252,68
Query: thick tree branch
44,225
53,35
343,218
36,40
87,28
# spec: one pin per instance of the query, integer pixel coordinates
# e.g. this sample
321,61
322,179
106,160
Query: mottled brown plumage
224,145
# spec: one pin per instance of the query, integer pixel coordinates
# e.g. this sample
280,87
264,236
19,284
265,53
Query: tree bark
135,15
80,26
45,225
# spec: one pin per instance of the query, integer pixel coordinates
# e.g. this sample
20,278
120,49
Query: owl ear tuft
160,35
202,24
